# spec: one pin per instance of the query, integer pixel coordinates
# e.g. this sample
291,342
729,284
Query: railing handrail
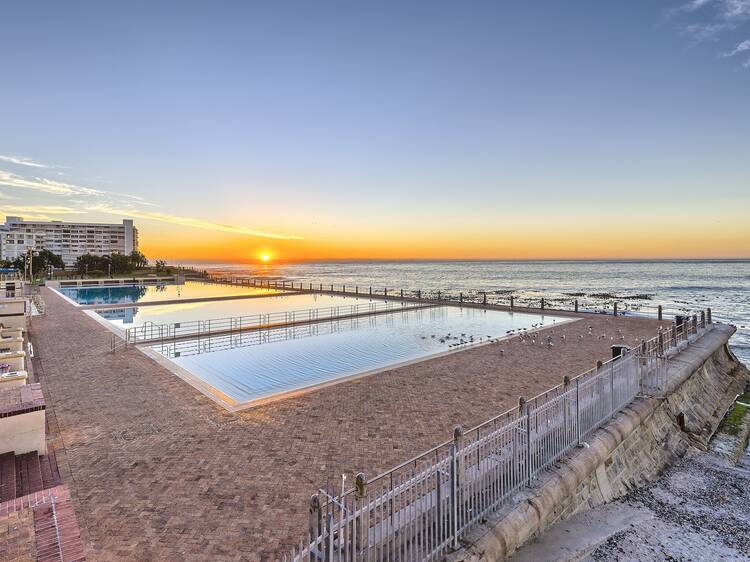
261,319
626,377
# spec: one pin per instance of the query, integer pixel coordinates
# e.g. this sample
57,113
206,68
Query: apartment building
66,239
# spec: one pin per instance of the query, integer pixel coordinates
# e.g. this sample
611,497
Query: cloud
189,221
733,9
701,32
21,161
39,212
740,48
694,5
53,187
90,200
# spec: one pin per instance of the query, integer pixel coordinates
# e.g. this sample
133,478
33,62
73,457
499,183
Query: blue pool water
257,365
131,294
127,317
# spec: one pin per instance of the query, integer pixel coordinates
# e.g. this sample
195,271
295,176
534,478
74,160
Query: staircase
25,474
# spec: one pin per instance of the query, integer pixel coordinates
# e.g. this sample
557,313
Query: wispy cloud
39,212
53,187
91,200
740,48
187,221
712,20
732,9
21,161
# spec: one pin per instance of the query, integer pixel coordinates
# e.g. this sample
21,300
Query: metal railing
571,302
420,509
150,332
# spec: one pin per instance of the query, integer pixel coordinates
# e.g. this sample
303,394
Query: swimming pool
131,294
128,317
252,367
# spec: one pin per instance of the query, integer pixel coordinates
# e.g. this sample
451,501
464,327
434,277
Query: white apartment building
66,239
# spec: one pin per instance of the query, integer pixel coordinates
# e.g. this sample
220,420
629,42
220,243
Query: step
50,471
28,474
7,476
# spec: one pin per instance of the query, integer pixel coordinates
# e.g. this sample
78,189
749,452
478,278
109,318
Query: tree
138,260
90,262
120,263
40,262
160,265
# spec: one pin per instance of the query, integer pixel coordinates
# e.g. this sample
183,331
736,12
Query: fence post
356,289
402,293
661,343
370,291
566,424
457,433
612,388
708,314
578,412
331,287
360,487
484,297
321,287
525,411
385,291
343,288
615,310
315,518
438,295
460,297
576,305
703,318
542,303
660,313
419,295
512,301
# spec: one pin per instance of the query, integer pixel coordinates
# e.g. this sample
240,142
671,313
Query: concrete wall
631,450
23,433
16,360
13,379
13,312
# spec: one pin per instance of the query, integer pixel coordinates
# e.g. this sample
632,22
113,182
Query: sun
265,257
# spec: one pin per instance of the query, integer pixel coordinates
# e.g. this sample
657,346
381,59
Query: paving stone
158,471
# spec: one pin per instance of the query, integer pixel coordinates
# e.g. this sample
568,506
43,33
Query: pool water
257,365
185,312
131,294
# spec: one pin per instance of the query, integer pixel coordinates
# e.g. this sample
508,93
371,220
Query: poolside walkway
158,471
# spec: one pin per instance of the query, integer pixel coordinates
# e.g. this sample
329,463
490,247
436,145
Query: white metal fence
420,509
602,303
151,332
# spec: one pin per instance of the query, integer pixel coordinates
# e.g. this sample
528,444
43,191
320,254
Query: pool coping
233,405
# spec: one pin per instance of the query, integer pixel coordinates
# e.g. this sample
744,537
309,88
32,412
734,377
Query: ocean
723,285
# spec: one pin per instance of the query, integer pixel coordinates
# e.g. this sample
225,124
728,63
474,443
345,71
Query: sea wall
631,450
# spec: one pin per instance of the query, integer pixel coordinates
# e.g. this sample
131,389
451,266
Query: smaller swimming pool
158,292
129,317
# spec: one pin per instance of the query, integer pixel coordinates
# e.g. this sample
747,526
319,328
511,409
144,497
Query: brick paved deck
159,471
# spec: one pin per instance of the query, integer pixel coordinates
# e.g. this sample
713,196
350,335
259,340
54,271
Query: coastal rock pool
157,292
252,367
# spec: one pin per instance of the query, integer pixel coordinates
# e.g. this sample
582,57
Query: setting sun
265,257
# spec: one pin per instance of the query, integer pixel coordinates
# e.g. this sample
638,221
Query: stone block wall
631,450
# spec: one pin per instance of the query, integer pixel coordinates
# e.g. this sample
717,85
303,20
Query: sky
426,130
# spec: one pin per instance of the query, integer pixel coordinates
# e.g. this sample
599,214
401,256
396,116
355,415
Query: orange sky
557,238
